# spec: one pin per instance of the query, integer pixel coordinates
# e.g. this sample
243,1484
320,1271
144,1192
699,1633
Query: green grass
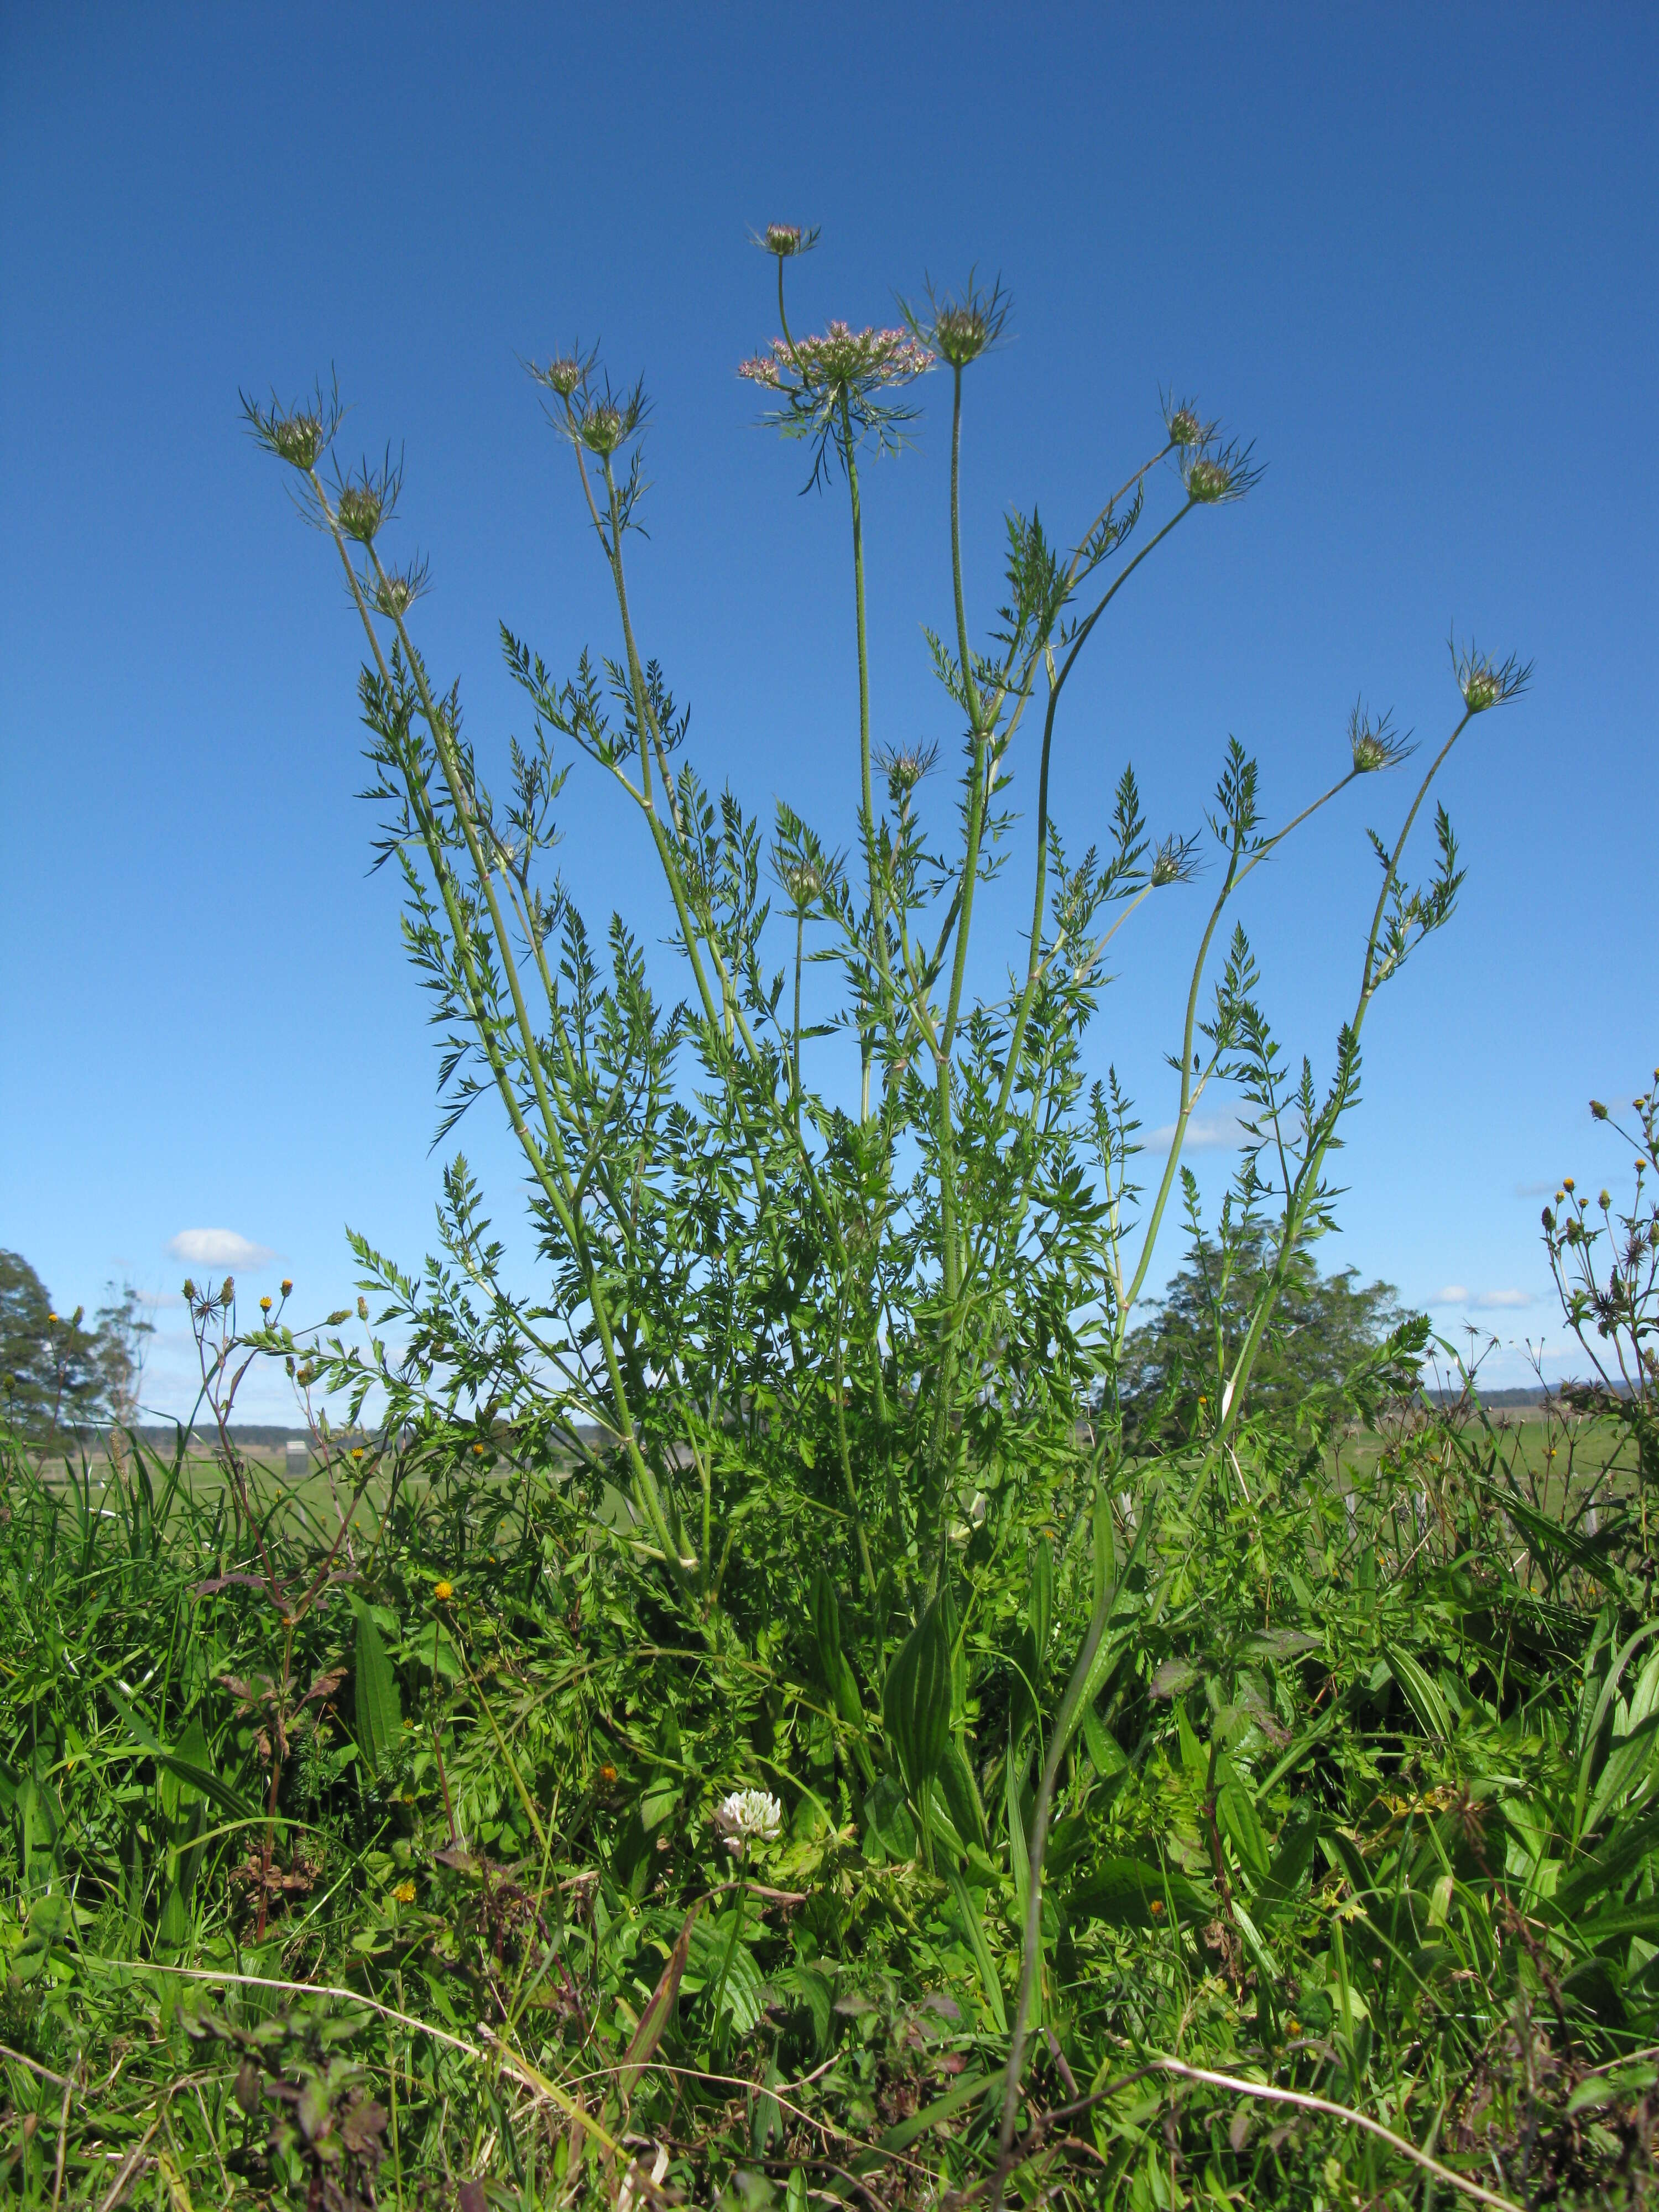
1341,1822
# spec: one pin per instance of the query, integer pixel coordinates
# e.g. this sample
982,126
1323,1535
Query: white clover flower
748,1815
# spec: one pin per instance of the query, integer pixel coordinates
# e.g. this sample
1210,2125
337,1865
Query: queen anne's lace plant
748,1816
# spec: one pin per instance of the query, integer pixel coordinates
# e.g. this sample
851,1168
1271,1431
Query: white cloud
217,1247
1490,1298
1535,1190
1450,1294
1206,1133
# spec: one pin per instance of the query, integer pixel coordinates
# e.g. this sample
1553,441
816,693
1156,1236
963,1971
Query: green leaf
1041,1605
1237,1817
206,1783
1605,1871
962,1799
1128,1892
379,1707
659,2011
960,2093
1421,1692
1290,1861
916,1702
1104,1748
973,1931
1629,1764
1105,1544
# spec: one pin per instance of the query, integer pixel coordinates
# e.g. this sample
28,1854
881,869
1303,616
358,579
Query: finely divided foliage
770,1714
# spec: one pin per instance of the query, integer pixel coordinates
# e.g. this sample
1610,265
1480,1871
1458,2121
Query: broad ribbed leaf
380,1708
916,1703
962,1798
1421,1692
1237,1816
660,2010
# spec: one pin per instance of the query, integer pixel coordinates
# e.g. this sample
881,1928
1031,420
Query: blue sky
1409,251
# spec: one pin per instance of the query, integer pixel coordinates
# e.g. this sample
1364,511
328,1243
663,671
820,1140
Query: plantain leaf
379,1707
973,1930
1237,1816
1421,1692
1040,1610
962,1798
659,2011
916,1702
1105,1544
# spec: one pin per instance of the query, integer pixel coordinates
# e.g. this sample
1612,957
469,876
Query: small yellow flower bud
443,1592
264,1305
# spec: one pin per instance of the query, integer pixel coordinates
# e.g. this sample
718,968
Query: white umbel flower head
748,1816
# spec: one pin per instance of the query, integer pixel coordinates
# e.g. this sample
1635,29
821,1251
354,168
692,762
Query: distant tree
57,1373
1333,1347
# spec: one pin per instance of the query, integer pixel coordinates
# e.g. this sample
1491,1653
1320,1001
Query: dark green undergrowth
382,1870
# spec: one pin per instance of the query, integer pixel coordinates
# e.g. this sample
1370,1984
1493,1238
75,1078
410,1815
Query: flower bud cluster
1485,682
785,240
359,511
298,440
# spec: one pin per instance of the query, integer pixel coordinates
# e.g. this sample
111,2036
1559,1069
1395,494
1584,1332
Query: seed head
787,239
190,1288
748,1815
1211,476
904,766
1598,1109
297,439
562,375
959,327
360,512
803,880
362,1309
960,335
1374,745
396,593
1548,1220
1485,683
1175,861
228,1289
1206,481
602,428
1183,425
